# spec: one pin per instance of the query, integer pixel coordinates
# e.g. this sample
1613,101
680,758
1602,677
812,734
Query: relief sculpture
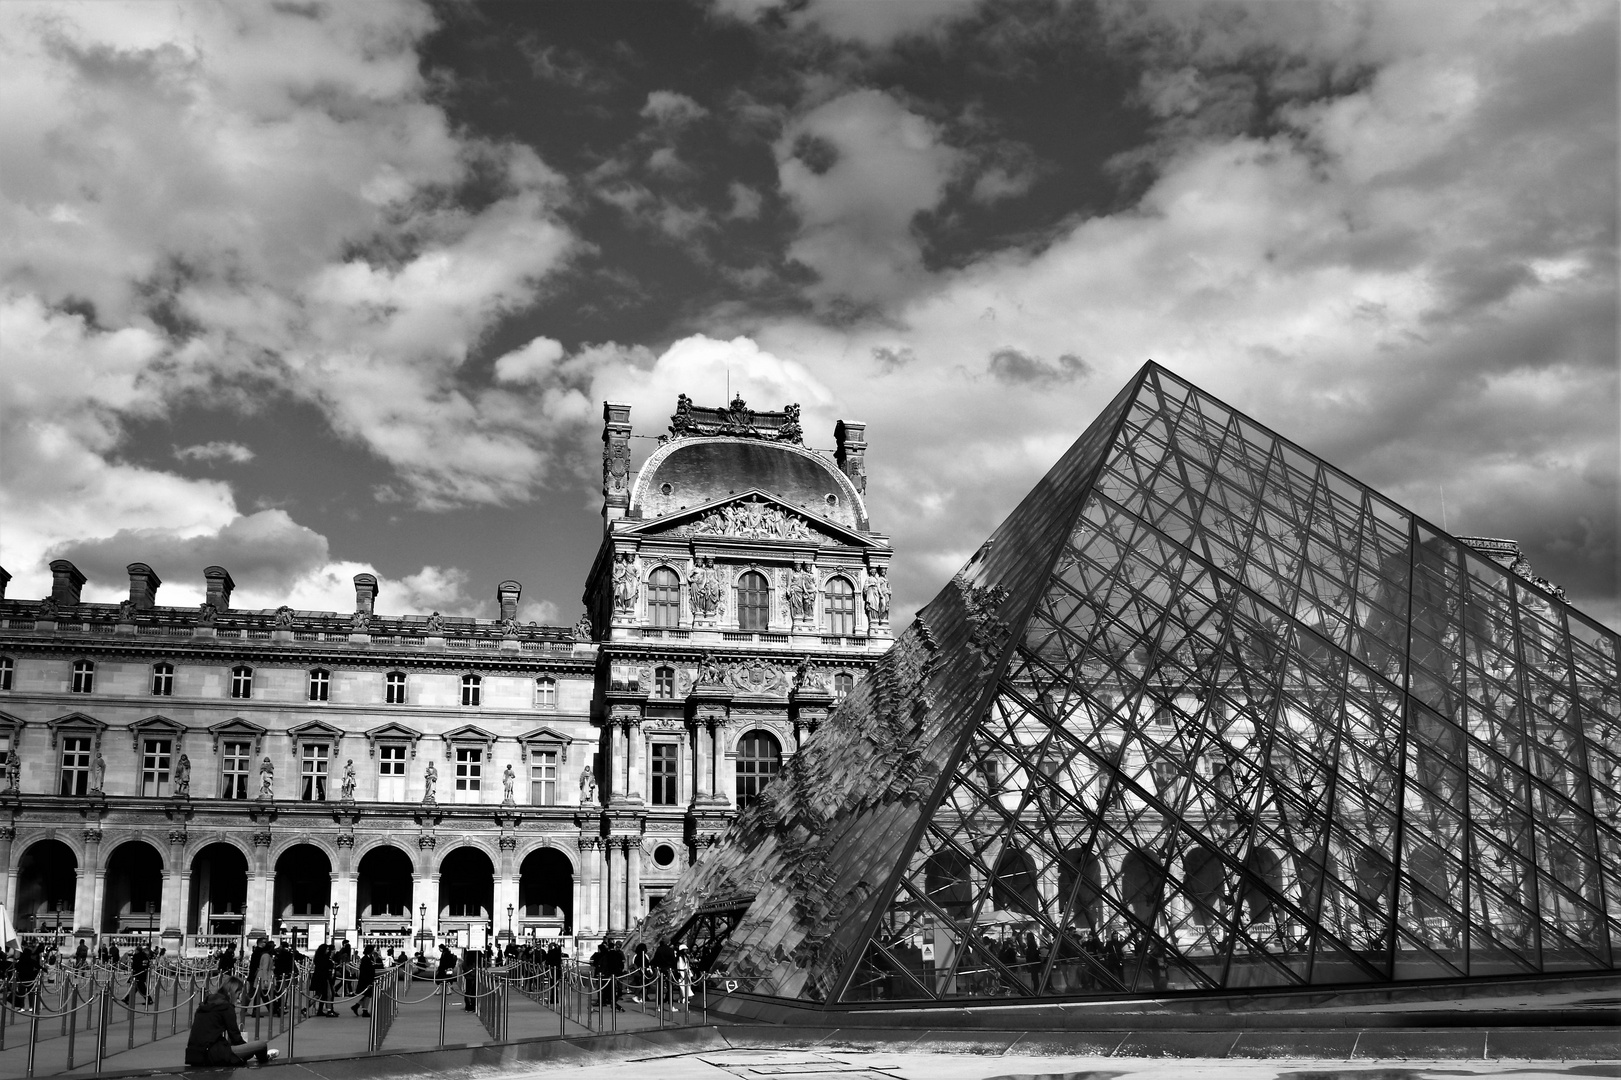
753,520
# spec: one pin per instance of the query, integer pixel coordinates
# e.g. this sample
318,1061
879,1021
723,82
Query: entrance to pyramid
1205,715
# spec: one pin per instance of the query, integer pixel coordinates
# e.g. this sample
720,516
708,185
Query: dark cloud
265,551
1016,368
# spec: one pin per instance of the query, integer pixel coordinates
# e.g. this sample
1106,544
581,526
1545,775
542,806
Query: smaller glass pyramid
1203,714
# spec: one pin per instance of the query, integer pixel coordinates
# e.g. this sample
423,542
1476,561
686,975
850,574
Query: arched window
545,693
664,682
162,680
759,759
663,598
320,684
843,683
242,682
394,688
471,687
841,606
84,676
753,602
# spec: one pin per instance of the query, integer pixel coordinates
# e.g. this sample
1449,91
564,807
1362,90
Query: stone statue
582,629
626,587
267,780
436,623
876,596
359,622
206,613
588,786
284,618
508,780
14,772
429,779
509,628
182,777
348,788
802,593
711,670
807,677
47,608
126,610
705,589
98,773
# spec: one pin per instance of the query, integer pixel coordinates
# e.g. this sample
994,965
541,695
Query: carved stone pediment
752,515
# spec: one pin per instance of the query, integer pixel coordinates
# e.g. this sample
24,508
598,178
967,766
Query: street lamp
332,931
423,932
509,921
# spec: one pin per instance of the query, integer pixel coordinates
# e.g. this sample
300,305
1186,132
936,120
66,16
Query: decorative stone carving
182,778
736,420
802,593
48,609
92,836
807,677
588,786
789,430
262,839
206,614
627,586
8,832
711,671
757,677
267,779
705,590
177,836
615,463
126,610
876,596
430,777
436,624
348,789
509,628
346,840
427,841
582,629
509,843
13,773
360,622
508,779
753,520
284,618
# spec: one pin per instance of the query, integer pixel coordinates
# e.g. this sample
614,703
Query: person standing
140,962
664,972
282,966
363,985
470,965
321,981
25,972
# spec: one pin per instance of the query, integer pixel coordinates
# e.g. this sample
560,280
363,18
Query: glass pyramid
1205,713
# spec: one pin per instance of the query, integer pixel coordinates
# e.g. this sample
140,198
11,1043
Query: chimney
615,460
850,451
143,585
66,581
365,593
219,583
5,579
506,594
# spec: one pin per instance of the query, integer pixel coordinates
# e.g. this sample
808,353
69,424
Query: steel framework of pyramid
1204,714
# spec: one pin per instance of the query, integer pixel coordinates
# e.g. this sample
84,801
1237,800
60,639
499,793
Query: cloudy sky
310,288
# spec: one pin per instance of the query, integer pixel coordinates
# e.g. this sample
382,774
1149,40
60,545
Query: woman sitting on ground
215,1038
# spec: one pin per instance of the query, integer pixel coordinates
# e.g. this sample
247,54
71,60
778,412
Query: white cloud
211,452
858,170
669,107
529,364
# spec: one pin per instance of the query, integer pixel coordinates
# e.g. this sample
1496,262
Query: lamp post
509,922
332,931
423,932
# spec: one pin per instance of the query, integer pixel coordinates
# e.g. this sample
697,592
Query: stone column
8,880
346,894
701,755
633,880
634,752
725,778
615,881
172,910
506,886
424,890
260,917
587,916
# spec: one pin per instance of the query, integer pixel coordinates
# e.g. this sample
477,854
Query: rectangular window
664,682
84,677
162,680
312,772
391,773
320,682
469,770
7,666
470,689
157,757
394,688
543,778
662,773
545,694
5,749
242,682
76,765
234,761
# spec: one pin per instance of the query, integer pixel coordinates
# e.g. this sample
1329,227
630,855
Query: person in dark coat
363,985
446,971
284,966
321,981
215,1039
26,973
471,959
140,962
554,967
664,972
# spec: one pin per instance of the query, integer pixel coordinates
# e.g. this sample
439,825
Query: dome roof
694,471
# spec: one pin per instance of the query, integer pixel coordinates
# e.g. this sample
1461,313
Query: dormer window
472,689
84,676
242,681
162,680
753,602
394,688
663,598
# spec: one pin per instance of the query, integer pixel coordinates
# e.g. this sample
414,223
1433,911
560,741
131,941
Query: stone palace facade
192,775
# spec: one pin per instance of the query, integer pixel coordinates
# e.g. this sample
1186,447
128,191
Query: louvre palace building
196,775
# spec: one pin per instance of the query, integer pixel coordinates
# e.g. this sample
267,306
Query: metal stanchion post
444,1001
73,1026
33,1034
105,998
